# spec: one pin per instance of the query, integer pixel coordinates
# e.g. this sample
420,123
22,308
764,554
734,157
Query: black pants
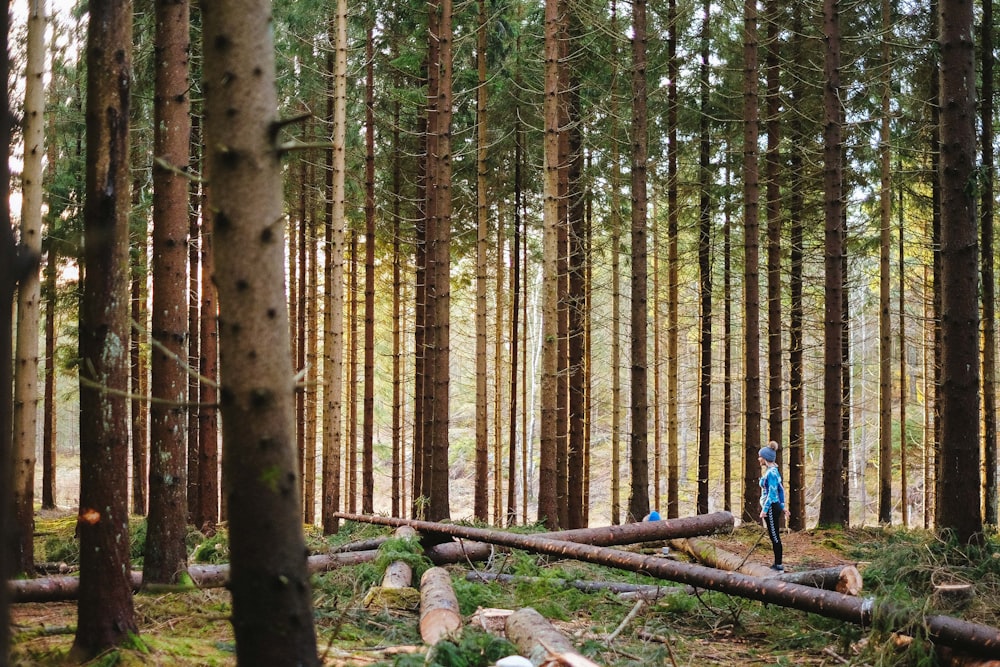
773,532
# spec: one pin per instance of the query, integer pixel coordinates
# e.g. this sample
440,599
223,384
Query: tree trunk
439,614
26,392
796,388
772,174
673,221
139,376
972,637
48,407
105,610
638,504
705,313
9,274
885,247
615,222
751,263
958,499
272,603
480,508
535,637
333,311
988,172
208,393
368,408
515,320
576,300
166,553
194,319
310,390
832,502
548,510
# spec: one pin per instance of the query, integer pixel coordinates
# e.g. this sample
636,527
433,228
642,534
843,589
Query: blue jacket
771,490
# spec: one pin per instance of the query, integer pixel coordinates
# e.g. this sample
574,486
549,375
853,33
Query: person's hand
762,514
788,511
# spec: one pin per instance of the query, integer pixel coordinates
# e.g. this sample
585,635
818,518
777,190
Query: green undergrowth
900,568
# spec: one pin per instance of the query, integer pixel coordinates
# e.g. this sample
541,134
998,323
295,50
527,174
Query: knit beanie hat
767,454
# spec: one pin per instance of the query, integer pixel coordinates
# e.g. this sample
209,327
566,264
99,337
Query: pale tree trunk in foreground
26,394
272,601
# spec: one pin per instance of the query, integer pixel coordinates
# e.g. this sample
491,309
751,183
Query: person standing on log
772,499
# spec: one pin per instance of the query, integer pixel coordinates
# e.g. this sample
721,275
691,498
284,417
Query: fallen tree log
539,641
439,614
649,591
842,578
971,637
66,587
647,531
396,590
603,536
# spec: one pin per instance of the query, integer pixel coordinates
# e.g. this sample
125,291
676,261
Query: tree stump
952,597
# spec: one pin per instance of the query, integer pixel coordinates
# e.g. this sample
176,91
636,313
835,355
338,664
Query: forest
559,264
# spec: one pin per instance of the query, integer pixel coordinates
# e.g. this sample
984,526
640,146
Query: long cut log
647,531
644,590
540,642
711,555
603,536
842,578
66,587
439,615
971,637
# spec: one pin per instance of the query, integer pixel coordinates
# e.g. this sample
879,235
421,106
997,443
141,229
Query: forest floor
192,628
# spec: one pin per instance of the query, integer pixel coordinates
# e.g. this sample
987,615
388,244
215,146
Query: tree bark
548,511
165,551
972,637
9,276
751,262
833,501
439,614
796,388
535,637
705,236
368,406
106,612
333,311
958,508
272,602
481,499
26,394
991,488
638,504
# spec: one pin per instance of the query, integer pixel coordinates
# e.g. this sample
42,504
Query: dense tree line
390,242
